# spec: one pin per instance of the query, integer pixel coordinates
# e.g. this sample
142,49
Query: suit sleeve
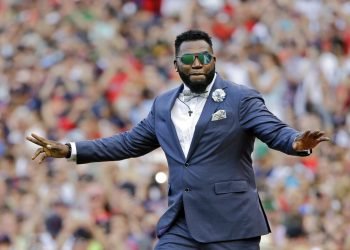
255,118
138,141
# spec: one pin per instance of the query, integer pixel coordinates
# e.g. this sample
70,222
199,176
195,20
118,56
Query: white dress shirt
184,122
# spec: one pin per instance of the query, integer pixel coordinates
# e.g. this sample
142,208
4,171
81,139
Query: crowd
83,69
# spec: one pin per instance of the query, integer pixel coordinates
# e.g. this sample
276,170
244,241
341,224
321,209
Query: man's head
194,59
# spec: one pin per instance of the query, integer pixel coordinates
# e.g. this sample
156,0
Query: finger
40,139
37,152
34,141
314,135
324,138
42,158
319,133
306,134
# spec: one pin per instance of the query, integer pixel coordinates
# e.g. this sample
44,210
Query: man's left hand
309,139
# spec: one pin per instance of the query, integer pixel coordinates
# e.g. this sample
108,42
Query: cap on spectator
53,224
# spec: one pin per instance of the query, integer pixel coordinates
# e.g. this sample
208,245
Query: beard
198,86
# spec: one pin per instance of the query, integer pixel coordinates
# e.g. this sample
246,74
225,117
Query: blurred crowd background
73,70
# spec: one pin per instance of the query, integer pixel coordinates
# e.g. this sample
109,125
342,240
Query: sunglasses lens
188,59
204,58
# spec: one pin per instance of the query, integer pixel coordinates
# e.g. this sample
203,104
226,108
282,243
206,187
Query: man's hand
47,148
309,139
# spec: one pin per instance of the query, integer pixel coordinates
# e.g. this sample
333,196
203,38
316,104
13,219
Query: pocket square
218,115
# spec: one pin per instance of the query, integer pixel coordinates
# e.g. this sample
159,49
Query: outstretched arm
136,142
256,118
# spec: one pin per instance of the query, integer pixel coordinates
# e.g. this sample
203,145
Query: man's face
197,76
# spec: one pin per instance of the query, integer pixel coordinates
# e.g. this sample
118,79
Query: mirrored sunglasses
203,57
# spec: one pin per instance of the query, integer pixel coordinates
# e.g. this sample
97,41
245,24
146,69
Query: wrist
295,144
69,151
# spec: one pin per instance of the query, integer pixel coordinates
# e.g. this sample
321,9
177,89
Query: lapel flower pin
218,95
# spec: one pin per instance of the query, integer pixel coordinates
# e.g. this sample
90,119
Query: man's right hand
47,148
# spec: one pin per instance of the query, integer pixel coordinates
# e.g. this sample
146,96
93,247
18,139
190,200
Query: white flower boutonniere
218,95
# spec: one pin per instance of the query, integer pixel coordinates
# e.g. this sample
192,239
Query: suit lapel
170,124
209,108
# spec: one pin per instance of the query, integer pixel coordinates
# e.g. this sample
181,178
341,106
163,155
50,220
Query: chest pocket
220,122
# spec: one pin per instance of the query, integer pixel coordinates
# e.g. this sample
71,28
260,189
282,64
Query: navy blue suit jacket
215,183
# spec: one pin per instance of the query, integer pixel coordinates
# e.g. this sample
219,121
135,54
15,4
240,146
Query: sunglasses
203,57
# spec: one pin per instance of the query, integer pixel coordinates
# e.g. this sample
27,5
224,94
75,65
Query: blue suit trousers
179,238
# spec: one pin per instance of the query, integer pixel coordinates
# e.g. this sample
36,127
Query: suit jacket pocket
227,118
219,126
225,187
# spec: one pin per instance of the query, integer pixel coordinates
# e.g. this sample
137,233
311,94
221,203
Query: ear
175,66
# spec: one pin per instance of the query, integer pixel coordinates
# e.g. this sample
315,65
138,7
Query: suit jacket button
187,189
187,164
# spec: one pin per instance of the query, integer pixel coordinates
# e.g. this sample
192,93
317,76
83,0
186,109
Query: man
207,128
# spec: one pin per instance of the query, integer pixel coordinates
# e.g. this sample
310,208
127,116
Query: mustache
198,86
